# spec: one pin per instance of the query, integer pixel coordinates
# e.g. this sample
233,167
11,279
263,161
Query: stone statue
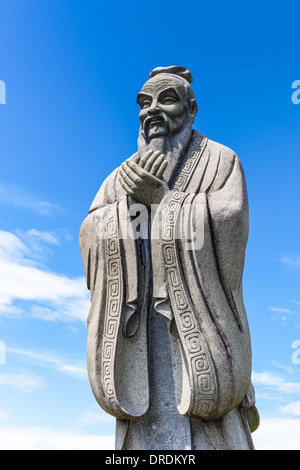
163,246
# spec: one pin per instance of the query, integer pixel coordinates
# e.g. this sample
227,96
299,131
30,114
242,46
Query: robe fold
188,262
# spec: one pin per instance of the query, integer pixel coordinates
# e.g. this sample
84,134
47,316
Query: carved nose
154,110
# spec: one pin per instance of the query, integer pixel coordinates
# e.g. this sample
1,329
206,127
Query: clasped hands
142,179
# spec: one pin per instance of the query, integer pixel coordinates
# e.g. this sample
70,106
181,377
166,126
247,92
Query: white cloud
277,434
48,237
3,415
93,417
281,430
283,314
24,381
291,261
284,367
36,438
272,434
282,310
16,196
52,361
40,242
275,382
11,247
292,408
51,296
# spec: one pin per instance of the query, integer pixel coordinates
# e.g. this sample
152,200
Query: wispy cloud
37,438
283,314
92,417
292,408
282,310
16,196
286,314
277,433
52,360
3,415
40,243
51,296
34,235
272,434
22,380
286,368
275,382
291,261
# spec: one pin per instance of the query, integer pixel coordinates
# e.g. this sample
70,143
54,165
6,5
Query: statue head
167,103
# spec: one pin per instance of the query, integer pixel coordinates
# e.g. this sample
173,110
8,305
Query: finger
134,171
156,164
151,160
161,169
125,186
145,157
125,178
131,171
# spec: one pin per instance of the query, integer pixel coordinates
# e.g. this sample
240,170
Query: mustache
161,117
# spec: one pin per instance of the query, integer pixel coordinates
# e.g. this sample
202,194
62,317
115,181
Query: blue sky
72,71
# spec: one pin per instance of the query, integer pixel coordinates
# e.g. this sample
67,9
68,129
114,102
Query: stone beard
169,350
171,144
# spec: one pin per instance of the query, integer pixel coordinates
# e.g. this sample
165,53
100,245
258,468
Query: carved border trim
114,296
200,363
191,161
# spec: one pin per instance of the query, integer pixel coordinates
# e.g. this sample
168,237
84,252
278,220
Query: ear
193,107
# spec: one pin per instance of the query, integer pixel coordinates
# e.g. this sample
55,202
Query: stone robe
185,267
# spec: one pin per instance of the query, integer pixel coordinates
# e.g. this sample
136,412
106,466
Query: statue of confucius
163,246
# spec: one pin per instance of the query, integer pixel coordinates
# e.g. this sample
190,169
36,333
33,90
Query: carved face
163,108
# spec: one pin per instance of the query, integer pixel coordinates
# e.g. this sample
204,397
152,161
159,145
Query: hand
142,179
154,162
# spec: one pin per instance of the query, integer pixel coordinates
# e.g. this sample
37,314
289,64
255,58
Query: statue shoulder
110,190
222,161
227,158
221,149
107,192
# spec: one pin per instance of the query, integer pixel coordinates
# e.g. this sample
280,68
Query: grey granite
163,246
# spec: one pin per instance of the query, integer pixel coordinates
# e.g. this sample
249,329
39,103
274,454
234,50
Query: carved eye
145,104
168,100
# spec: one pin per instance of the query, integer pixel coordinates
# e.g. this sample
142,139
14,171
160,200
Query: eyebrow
142,95
169,90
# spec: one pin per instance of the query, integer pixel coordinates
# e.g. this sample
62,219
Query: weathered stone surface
163,246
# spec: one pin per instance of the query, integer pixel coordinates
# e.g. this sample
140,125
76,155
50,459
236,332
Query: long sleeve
117,323
200,239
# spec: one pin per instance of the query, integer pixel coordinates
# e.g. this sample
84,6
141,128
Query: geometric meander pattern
113,307
200,364
190,163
